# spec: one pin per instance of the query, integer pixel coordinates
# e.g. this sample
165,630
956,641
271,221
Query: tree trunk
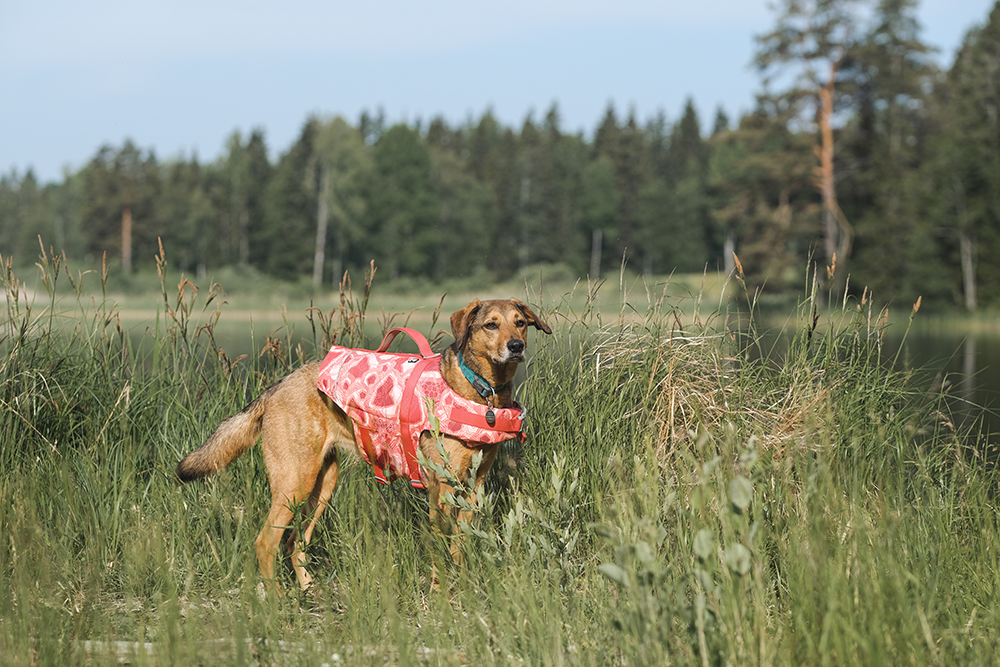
245,237
127,239
524,237
322,218
838,235
728,251
339,241
596,240
967,247
968,383
968,268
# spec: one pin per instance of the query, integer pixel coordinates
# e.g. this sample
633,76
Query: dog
303,431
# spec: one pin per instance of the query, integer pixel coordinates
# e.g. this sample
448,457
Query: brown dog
302,430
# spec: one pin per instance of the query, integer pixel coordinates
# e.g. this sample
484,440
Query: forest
862,155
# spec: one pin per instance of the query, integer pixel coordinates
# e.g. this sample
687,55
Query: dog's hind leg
266,544
326,481
294,472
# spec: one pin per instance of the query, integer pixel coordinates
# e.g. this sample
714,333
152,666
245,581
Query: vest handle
418,338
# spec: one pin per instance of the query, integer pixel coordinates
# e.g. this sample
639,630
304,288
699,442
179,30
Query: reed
688,494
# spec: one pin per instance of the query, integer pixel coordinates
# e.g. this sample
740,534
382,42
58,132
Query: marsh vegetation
682,498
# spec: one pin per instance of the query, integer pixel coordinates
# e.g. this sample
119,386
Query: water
963,361
966,365
960,360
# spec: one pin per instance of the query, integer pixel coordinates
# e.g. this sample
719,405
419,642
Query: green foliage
914,173
287,243
759,180
116,182
238,184
344,171
401,205
889,74
963,176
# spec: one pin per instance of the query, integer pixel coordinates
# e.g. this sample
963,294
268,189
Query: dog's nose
516,346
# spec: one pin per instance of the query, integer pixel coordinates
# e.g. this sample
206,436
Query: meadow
684,496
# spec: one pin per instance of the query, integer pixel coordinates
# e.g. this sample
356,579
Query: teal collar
478,382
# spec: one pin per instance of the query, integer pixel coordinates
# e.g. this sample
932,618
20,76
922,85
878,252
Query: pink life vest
384,394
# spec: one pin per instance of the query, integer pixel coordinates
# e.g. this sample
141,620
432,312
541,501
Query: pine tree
402,232
258,174
188,218
466,218
507,188
968,163
631,169
687,222
887,76
811,42
342,169
557,179
288,240
599,204
240,186
23,216
624,147
484,148
118,208
721,123
529,221
760,186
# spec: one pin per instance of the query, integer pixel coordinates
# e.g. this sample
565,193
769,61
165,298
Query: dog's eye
520,324
490,325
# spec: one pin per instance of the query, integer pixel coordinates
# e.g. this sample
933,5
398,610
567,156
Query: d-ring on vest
385,395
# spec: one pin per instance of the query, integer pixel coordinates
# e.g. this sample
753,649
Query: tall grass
684,497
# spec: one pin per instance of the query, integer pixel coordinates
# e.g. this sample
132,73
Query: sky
180,77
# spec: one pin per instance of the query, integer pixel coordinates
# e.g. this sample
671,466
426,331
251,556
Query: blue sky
180,77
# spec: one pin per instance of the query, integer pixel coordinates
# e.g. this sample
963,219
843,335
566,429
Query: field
683,497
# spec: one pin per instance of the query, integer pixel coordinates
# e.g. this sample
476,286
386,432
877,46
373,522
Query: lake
962,355
969,365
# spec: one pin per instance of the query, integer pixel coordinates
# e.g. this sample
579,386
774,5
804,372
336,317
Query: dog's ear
533,319
461,322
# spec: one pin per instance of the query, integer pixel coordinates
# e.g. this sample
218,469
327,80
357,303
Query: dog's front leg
444,515
471,493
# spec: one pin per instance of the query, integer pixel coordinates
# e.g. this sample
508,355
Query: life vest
385,395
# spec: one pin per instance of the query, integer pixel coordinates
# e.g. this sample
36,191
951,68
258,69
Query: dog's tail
231,438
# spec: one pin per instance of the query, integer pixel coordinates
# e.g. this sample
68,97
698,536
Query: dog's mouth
506,357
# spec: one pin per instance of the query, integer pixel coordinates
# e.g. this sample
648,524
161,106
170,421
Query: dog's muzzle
515,347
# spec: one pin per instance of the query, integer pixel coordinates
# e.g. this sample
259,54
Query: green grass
681,499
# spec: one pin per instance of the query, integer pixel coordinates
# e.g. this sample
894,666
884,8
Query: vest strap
502,422
410,413
418,338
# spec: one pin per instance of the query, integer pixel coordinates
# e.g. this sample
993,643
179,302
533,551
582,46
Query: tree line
861,154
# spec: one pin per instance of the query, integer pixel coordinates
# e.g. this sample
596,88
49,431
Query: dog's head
495,331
